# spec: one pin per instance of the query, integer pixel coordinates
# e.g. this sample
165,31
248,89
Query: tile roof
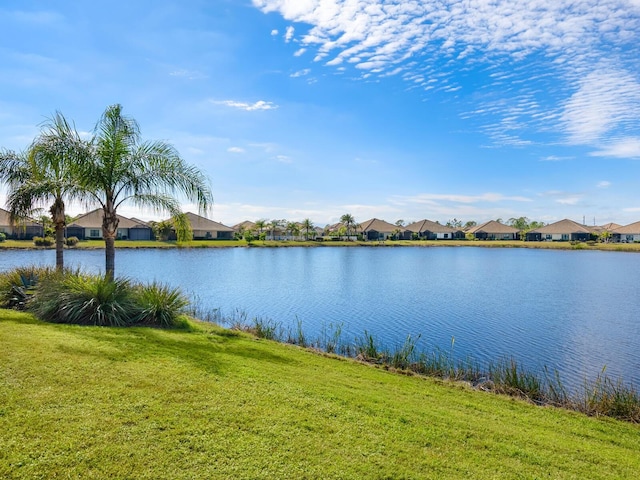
93,219
632,228
378,226
202,223
492,226
563,226
429,226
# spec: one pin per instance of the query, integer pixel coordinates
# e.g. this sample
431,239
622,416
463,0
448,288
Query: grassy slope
145,403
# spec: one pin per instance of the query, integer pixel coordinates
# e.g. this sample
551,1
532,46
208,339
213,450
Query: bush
159,305
17,285
3,237
85,300
43,242
72,241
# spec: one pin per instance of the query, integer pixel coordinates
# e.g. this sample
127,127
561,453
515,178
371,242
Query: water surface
576,311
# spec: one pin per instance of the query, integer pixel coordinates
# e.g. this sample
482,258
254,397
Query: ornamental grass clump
159,304
17,285
84,299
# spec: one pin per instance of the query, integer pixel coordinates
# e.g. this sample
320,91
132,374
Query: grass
211,403
98,244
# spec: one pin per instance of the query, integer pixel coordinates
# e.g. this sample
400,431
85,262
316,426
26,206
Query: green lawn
89,402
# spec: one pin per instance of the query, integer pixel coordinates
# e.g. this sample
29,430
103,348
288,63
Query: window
94,233
565,236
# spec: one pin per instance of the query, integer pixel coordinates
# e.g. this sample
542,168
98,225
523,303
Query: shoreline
141,244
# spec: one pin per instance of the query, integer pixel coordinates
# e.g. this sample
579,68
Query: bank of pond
75,297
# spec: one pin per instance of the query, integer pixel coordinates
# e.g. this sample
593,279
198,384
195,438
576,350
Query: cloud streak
249,107
570,68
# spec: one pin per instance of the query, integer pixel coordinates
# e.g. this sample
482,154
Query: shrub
3,237
43,242
159,304
85,300
16,286
72,241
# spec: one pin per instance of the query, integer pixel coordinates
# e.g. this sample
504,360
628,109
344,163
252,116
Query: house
246,226
89,227
428,230
493,230
627,234
564,230
375,229
21,230
205,229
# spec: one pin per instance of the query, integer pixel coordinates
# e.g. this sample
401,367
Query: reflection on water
572,310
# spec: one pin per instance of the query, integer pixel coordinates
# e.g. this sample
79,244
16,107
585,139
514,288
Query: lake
577,311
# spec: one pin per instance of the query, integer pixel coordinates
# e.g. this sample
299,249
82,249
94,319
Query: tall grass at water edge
600,397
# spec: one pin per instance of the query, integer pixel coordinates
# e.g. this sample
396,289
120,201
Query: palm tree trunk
59,221
109,231
59,247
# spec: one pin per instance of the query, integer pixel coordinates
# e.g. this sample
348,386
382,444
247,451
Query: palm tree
273,225
294,229
45,175
307,226
260,225
349,222
121,168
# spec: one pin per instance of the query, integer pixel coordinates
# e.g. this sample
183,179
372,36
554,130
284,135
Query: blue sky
440,109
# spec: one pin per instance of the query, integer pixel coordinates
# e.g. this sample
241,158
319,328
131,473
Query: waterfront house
205,229
376,229
627,234
89,227
565,230
493,230
428,230
24,229
244,227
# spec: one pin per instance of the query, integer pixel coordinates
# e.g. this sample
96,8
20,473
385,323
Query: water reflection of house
494,230
564,230
89,227
205,229
428,230
21,229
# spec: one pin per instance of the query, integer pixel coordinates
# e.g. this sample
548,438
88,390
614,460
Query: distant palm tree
121,168
293,228
307,226
349,223
261,225
273,225
45,175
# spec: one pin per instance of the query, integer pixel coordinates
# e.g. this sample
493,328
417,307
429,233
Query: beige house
89,227
23,229
376,229
493,230
428,230
205,229
627,234
563,231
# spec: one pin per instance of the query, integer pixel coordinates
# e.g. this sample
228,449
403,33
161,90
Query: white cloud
188,74
288,35
555,158
578,79
301,73
274,32
603,184
622,148
283,159
235,150
259,105
299,52
434,198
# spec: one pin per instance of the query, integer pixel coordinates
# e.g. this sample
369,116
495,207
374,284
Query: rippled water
576,311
